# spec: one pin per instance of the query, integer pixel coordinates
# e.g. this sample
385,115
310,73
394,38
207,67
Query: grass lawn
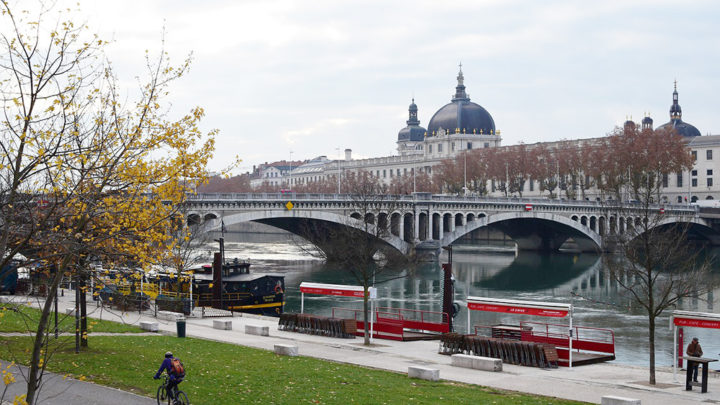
21,318
221,373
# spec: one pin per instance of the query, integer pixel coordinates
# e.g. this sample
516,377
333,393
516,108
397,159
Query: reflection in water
574,278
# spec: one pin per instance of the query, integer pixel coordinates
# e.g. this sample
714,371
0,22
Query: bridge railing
426,197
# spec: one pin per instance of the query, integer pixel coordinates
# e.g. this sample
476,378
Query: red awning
696,319
519,307
332,289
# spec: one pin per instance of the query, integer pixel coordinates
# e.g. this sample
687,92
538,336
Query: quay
587,383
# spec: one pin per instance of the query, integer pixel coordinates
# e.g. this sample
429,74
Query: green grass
221,373
21,318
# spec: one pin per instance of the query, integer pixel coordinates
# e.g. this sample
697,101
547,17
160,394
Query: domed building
458,125
410,138
676,122
461,115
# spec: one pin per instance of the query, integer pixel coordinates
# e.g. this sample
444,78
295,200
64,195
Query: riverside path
586,383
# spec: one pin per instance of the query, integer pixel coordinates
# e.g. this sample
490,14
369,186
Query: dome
462,115
681,127
413,131
676,123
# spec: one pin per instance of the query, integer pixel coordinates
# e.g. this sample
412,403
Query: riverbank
585,383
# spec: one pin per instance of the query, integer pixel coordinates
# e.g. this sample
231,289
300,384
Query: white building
463,125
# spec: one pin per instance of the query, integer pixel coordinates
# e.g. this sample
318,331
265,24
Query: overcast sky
309,77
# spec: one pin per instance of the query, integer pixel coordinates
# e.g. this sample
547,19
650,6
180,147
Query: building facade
463,125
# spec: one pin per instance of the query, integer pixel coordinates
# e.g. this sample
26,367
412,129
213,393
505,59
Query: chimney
348,154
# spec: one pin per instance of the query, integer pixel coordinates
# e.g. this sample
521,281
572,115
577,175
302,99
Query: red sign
697,323
555,313
43,203
528,207
662,210
331,291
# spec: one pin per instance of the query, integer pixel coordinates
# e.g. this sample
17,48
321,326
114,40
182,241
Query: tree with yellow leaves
85,176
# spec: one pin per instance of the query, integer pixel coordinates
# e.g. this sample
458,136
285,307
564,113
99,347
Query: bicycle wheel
162,396
182,398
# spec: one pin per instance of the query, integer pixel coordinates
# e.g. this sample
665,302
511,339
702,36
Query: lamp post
465,172
290,171
338,169
414,169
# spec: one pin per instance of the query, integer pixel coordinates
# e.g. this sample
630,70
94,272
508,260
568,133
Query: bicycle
164,398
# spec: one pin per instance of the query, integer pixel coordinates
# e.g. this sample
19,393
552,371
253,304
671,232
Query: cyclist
175,376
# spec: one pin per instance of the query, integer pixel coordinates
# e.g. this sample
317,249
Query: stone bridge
425,222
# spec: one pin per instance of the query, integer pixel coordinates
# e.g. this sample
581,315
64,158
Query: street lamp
465,172
290,171
338,169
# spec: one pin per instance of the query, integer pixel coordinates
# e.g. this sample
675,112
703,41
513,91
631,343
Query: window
694,155
708,154
694,182
398,172
430,148
679,200
709,172
532,185
679,180
391,172
486,145
709,182
384,174
405,171
665,180
452,146
694,172
469,145
439,148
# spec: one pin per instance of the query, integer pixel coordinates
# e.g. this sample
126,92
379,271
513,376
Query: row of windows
452,147
708,154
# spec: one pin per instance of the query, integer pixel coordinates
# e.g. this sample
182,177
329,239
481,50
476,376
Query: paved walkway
58,390
585,383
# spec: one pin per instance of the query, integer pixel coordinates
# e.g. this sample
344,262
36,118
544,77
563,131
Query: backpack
176,368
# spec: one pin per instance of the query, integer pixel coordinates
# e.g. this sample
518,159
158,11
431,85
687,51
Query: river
577,278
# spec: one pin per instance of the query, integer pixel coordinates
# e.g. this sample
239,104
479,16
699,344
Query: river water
499,271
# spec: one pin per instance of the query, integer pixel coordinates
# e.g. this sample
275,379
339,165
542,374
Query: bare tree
357,244
657,264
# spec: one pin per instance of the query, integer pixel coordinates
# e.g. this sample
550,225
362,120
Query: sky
295,80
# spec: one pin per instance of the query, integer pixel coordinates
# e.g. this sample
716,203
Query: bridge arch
390,239
698,225
592,241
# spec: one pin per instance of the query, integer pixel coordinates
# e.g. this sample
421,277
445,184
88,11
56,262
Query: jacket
694,349
167,366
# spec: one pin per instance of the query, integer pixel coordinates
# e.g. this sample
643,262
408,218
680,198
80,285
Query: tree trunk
83,313
651,345
35,373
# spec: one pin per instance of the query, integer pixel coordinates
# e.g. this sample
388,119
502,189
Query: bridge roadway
422,222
